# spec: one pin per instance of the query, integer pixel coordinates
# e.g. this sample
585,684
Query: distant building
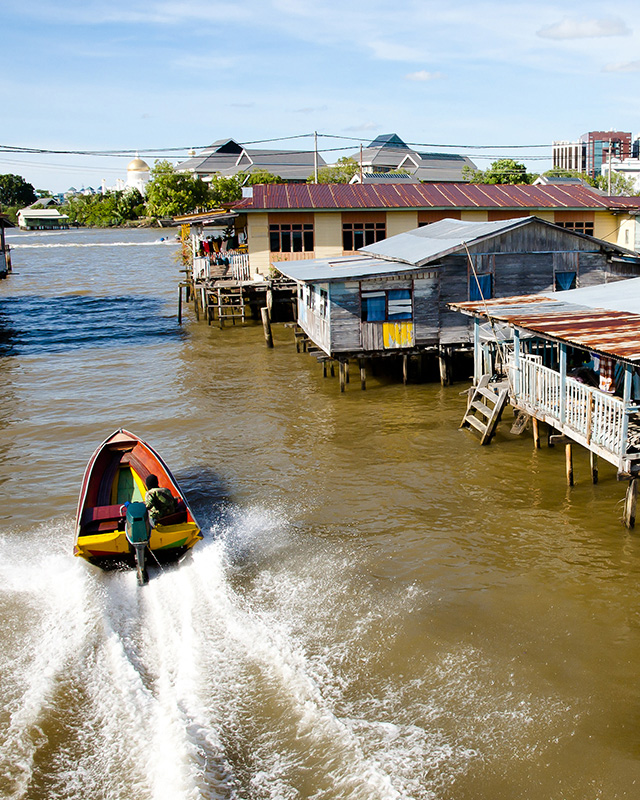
629,168
388,153
226,157
138,174
41,219
591,151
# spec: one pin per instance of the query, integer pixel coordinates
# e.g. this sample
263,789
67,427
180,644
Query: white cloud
626,66
423,75
584,28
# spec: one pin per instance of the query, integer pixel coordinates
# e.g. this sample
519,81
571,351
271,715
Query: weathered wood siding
426,312
344,313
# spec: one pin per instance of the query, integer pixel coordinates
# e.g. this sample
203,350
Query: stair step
482,408
477,423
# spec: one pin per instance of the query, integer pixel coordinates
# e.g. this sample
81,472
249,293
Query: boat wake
254,669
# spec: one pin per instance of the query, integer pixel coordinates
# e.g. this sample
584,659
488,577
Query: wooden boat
112,527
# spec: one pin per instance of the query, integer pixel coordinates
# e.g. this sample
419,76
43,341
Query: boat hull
114,476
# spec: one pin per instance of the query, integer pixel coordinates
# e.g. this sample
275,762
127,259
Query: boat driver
158,500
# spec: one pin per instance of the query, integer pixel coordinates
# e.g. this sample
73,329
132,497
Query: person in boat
158,500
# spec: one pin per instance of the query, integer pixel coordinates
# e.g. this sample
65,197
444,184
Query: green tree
15,191
170,193
225,188
620,184
261,176
341,172
504,170
104,211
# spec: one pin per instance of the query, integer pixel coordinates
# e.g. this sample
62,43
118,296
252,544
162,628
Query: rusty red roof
609,325
426,196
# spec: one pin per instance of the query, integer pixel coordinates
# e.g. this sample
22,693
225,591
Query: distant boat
113,530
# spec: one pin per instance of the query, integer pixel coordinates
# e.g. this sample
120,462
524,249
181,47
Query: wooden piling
180,304
536,432
324,369
568,453
266,324
405,368
363,375
333,369
342,372
630,503
445,370
594,466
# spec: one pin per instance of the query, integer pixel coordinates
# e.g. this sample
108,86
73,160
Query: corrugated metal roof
422,245
603,318
340,268
429,195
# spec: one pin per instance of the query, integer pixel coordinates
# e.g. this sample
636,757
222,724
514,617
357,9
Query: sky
484,79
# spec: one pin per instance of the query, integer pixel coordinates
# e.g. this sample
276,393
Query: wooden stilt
266,324
594,466
630,503
180,305
346,371
342,371
324,369
333,369
443,360
405,368
536,432
195,303
363,375
549,435
568,453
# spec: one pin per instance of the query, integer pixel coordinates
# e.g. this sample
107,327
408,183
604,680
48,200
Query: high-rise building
591,151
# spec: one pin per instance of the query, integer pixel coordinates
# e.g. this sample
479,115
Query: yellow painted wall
258,237
327,234
401,222
607,225
626,232
474,216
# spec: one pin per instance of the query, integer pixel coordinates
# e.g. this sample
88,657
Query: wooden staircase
485,409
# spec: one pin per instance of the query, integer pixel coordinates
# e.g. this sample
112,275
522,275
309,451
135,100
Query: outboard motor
138,530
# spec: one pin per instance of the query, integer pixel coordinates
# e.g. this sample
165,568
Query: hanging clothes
606,374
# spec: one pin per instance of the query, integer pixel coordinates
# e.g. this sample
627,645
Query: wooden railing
597,417
238,266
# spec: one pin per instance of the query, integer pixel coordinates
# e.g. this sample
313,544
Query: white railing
238,266
597,417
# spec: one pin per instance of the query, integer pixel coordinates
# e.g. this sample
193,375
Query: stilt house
393,297
571,360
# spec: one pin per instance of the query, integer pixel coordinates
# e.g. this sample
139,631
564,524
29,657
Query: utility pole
609,181
361,179
315,156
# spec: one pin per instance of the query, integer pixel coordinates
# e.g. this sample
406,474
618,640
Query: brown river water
380,608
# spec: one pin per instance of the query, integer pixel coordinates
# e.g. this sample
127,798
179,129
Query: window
393,305
358,234
565,280
480,287
578,227
291,238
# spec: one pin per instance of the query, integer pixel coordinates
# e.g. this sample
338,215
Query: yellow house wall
607,226
626,232
401,222
327,231
258,237
474,216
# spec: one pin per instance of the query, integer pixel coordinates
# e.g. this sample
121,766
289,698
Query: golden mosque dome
138,165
